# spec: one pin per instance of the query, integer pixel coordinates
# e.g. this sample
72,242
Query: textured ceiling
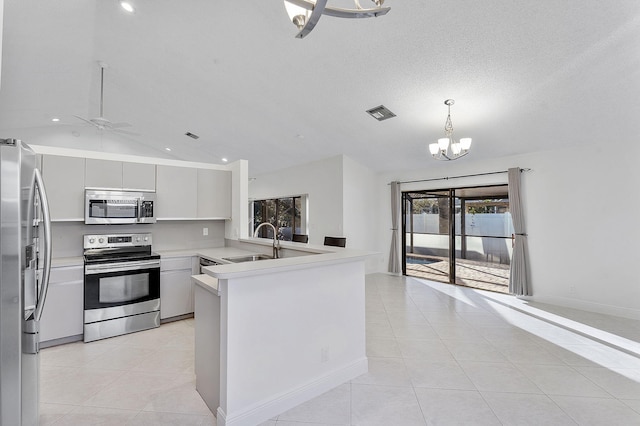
526,76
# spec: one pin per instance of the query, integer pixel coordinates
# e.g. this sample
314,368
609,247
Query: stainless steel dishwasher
207,262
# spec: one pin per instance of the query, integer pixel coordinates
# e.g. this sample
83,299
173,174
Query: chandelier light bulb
434,148
443,143
456,148
298,15
465,143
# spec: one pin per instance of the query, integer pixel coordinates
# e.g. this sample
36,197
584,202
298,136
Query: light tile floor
438,355
469,273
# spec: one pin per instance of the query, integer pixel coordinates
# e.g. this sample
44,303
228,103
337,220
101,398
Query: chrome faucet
276,241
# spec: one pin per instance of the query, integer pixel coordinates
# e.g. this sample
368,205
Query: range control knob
146,238
92,240
101,240
137,238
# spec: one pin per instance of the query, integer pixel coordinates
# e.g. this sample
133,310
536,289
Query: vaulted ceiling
526,76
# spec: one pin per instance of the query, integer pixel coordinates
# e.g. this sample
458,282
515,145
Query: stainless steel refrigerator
25,264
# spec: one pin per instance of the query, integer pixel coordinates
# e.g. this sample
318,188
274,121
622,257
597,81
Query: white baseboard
253,415
583,305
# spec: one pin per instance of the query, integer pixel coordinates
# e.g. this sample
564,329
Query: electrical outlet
205,232
324,354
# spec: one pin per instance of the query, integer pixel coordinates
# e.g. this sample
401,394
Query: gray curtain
518,282
394,254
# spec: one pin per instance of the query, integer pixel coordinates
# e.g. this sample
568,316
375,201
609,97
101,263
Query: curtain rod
461,176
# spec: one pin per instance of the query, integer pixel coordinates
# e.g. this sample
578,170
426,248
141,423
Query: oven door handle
120,267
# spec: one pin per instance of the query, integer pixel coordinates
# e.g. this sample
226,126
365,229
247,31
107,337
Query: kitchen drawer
176,263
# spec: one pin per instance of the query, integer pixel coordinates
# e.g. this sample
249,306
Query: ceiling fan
102,123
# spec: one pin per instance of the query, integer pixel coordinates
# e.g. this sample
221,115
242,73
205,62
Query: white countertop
316,256
212,253
218,254
312,255
207,282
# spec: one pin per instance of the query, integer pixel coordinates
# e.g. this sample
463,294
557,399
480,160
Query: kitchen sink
251,258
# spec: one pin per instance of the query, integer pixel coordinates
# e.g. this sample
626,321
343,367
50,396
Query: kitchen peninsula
271,334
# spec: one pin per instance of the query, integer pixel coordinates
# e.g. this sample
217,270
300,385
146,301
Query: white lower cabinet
63,312
176,288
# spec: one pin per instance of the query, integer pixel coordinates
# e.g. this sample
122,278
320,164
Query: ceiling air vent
192,135
380,113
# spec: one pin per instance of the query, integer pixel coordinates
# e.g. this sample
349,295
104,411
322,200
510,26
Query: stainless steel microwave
118,207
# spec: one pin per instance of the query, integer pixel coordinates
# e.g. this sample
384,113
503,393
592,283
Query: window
287,214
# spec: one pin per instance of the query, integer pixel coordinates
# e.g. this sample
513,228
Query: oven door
124,288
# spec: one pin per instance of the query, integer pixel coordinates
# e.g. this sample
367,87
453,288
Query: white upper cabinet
176,192
64,182
182,193
103,174
138,176
120,175
214,194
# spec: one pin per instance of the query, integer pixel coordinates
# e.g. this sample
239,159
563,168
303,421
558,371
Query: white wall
579,261
360,215
322,181
575,260
342,200
237,227
1,21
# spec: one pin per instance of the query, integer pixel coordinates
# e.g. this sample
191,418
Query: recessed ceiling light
224,160
55,120
192,135
127,6
168,149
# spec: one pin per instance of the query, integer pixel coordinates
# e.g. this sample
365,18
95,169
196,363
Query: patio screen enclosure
458,235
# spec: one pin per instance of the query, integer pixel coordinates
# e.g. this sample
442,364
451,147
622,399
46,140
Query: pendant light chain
448,125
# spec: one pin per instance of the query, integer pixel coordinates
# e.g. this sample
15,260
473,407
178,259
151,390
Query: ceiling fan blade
119,125
100,122
86,120
124,132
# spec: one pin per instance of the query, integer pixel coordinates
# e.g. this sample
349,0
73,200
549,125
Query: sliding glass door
459,235
427,229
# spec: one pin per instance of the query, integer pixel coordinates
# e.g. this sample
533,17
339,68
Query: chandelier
440,150
305,14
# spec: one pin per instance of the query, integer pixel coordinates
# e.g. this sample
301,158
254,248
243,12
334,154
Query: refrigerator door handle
46,267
